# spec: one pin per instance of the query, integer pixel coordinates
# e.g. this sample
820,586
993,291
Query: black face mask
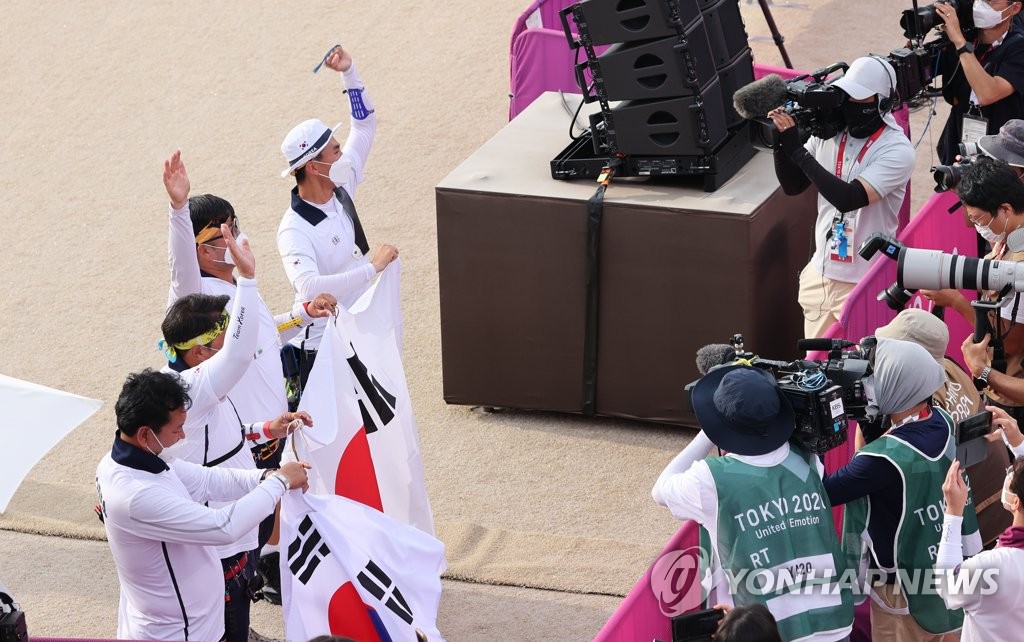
862,119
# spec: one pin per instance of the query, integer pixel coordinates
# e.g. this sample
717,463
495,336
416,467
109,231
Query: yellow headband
171,350
207,233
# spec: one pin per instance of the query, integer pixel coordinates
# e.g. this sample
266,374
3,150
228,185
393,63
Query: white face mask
1005,495
985,17
228,259
341,172
163,454
987,234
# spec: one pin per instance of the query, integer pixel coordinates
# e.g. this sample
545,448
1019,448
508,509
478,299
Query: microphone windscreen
714,354
760,97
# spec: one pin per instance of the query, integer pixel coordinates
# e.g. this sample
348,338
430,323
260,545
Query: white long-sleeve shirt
259,394
212,428
998,615
322,256
162,538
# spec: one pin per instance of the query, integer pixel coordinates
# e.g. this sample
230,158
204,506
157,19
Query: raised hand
176,180
339,59
241,253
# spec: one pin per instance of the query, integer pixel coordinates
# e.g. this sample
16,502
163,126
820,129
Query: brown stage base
679,268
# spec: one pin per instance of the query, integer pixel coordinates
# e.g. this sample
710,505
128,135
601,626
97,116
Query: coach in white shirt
161,534
321,241
997,615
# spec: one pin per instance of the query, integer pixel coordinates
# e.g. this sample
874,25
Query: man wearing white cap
861,176
320,238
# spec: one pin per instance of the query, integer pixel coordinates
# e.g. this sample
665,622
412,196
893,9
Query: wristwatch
281,477
981,381
967,47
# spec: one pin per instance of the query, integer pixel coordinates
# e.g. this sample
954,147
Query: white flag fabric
364,444
35,418
349,570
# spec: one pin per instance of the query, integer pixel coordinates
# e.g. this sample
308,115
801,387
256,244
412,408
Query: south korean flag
350,570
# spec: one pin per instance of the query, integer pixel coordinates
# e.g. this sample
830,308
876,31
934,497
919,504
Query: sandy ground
98,94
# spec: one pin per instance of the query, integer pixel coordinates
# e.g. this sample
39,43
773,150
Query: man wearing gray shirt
861,176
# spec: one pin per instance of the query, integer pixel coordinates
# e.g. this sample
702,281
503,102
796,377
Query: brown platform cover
679,268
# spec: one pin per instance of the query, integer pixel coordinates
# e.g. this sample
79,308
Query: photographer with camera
993,197
984,79
986,616
763,504
892,492
861,175
960,399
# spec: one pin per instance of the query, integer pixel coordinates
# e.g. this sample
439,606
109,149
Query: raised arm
181,246
226,367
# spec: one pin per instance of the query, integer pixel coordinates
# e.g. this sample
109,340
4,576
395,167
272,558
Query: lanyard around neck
864,150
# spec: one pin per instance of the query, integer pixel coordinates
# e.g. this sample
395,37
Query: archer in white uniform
320,239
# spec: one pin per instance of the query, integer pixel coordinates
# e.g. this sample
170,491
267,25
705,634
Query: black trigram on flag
371,391
306,551
379,584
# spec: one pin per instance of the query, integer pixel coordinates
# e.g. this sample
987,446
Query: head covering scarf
905,374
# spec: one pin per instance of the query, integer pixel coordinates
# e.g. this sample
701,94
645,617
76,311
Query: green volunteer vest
918,533
779,519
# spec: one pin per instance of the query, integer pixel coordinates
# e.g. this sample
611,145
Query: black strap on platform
595,212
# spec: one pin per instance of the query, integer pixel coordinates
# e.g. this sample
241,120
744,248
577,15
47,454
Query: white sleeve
361,130
298,312
181,254
224,485
679,486
224,369
300,265
158,514
949,561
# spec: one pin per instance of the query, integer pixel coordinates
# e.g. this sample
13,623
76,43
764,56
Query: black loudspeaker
674,126
609,21
738,73
726,32
658,69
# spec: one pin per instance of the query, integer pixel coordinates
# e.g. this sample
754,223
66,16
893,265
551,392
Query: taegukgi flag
364,443
349,570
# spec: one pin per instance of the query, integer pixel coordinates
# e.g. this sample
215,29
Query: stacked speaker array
674,64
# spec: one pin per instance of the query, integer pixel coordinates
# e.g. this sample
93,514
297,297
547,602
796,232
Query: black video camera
824,394
917,25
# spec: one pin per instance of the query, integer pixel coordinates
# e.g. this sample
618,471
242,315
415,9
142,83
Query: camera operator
861,175
960,399
892,492
984,79
745,500
993,197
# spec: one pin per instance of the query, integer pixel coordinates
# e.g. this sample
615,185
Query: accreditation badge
841,245
974,127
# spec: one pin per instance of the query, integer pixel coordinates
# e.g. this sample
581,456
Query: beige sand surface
97,94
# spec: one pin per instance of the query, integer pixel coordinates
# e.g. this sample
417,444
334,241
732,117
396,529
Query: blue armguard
359,110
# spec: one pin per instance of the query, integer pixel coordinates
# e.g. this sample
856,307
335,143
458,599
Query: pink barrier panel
933,228
539,55
639,617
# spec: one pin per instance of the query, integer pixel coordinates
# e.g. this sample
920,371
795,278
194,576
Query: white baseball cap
866,77
304,142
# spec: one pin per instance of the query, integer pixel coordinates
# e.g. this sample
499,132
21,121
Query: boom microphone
713,355
760,97
823,344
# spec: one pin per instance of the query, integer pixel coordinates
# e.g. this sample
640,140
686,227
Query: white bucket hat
304,142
